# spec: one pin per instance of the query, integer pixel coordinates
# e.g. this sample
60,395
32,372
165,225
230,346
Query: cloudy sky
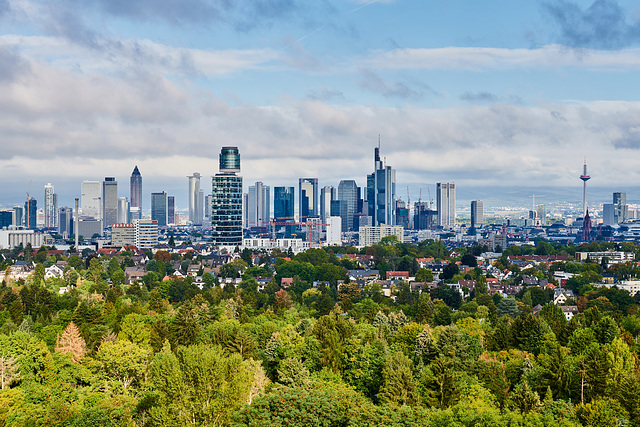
486,94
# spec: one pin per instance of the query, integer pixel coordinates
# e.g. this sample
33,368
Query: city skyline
482,95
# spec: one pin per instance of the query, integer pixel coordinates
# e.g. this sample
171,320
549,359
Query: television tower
584,177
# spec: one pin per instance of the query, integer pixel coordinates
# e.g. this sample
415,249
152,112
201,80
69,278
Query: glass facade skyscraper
30,213
348,193
226,200
283,207
109,202
135,195
307,198
159,208
381,192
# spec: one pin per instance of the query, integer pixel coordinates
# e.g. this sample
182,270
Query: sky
488,95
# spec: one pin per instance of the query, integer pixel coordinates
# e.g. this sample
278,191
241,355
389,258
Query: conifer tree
71,342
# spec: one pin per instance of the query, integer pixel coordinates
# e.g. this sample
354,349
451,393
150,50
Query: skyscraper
50,207
135,194
109,201
226,200
283,206
195,199
123,210
381,192
159,208
65,221
90,199
30,212
446,204
620,211
171,209
307,198
348,193
258,204
6,218
327,194
477,213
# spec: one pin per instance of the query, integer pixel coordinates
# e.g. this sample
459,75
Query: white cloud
469,58
114,56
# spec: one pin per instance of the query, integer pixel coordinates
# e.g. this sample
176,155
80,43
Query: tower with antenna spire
381,191
584,177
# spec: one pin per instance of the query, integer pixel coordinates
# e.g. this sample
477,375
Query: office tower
348,193
446,204
159,208
171,209
109,201
402,213
135,189
339,208
608,214
541,212
89,227
334,230
195,199
50,207
90,199
477,213
381,192
621,209
65,221
327,194
123,210
584,177
30,213
283,207
257,208
135,195
424,217
6,218
18,216
307,198
226,200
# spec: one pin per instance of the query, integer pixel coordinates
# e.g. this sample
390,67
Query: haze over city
513,95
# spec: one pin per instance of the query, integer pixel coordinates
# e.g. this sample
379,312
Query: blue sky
486,94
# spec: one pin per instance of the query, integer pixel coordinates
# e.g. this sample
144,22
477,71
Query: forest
165,351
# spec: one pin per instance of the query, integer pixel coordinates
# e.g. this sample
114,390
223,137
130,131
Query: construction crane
533,203
430,199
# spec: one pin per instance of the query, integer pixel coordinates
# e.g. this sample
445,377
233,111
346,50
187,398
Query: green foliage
200,385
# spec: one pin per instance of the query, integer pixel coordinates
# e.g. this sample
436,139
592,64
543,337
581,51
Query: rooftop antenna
379,142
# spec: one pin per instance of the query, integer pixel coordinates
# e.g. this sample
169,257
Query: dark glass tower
283,206
226,200
136,189
30,213
159,208
229,160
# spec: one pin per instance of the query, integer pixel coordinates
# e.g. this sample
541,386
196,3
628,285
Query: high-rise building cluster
230,213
